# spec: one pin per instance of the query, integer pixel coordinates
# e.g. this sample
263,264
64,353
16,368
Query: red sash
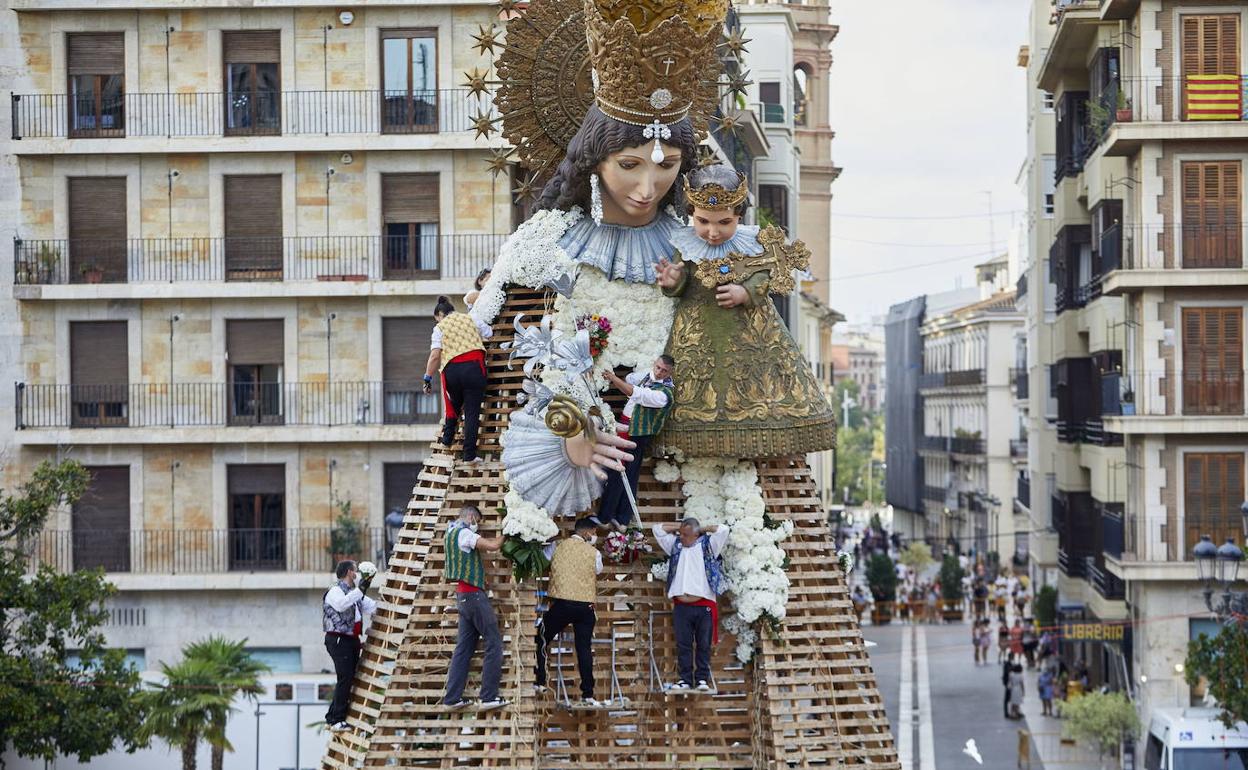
714,615
477,355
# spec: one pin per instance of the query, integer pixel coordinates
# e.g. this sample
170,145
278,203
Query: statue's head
635,187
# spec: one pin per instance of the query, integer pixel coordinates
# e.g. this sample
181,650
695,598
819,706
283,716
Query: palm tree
236,673
180,711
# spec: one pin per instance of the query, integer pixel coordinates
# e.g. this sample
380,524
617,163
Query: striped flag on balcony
1213,97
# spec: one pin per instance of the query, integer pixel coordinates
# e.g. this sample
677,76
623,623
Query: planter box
1123,115
882,613
952,610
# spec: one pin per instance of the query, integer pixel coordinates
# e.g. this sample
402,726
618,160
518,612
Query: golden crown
715,197
654,60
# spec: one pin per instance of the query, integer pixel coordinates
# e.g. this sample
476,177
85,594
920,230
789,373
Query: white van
1194,739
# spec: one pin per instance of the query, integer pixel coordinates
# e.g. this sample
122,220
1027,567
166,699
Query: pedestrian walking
1045,686
1003,641
1016,639
1006,669
1029,644
1016,691
985,639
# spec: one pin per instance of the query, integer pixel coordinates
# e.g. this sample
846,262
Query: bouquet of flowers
599,327
624,547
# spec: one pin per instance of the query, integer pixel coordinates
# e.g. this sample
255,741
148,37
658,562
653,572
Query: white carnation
659,570
666,472
526,520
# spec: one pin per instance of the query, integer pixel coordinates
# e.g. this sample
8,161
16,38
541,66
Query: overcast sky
928,108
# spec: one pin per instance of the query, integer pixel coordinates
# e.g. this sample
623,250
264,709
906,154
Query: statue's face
633,184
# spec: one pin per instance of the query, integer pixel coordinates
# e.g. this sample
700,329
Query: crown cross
667,65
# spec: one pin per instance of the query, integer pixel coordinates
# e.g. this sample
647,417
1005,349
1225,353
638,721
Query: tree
1102,719
1045,607
237,673
917,556
882,578
859,449
951,574
182,710
54,704
1222,661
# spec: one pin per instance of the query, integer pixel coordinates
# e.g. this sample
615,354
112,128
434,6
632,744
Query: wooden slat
96,53
253,46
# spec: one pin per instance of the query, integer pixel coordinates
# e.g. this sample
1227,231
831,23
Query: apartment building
230,225
1147,274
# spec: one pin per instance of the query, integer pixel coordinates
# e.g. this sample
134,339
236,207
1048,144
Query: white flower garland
531,257
721,491
641,319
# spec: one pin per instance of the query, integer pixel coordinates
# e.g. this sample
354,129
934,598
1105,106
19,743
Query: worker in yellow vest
574,570
457,350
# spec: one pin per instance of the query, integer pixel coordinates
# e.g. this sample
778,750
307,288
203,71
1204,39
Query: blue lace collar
624,253
694,249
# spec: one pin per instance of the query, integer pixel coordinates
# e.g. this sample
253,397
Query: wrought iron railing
209,404
263,113
1181,246
203,551
1020,382
1022,491
1018,448
310,258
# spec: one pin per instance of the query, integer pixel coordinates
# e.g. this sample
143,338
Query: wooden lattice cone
808,699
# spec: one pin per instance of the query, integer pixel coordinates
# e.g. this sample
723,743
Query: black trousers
614,505
579,615
465,388
693,628
345,652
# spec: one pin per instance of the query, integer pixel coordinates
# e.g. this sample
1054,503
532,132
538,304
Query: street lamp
1220,564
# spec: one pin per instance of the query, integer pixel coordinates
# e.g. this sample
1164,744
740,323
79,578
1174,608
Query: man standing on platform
574,570
465,567
694,580
649,401
344,612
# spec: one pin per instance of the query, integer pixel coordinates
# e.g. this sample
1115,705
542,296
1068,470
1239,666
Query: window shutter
404,349
253,206
101,521
96,53
257,479
409,197
1213,361
400,481
1228,44
97,353
252,47
255,342
1211,214
1211,45
97,225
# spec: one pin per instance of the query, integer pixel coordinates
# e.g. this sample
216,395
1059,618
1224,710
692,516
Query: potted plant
1127,402
46,261
951,575
91,272
882,580
1104,720
346,537
1123,114
1098,118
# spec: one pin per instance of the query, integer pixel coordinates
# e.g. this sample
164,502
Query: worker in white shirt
345,612
695,577
649,402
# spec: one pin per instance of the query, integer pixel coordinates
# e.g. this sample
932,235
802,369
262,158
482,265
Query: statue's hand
605,452
731,295
669,273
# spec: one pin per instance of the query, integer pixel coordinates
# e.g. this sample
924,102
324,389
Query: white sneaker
681,685
703,686
540,689
459,704
495,703
592,703
339,727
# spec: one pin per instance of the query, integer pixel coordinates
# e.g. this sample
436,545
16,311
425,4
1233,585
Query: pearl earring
595,199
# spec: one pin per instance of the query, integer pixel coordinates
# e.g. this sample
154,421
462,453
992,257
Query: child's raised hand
731,295
669,273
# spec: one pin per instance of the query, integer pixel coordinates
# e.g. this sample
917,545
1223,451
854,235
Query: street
947,697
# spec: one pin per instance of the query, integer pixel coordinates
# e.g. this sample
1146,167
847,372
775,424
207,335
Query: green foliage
858,443
49,706
527,559
951,574
964,433
347,536
1102,719
917,556
1223,661
1045,606
882,578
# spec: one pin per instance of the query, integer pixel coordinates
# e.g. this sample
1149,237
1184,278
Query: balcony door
255,351
96,68
99,374
409,65
252,82
97,230
101,521
253,227
1210,62
1213,361
404,350
1212,206
257,537
409,211
1213,488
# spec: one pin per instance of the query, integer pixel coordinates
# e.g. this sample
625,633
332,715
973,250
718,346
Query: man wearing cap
477,620
574,569
694,579
344,612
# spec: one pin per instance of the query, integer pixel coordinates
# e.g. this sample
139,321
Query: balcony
935,494
195,260
1022,492
233,405
1106,583
273,114
1021,383
966,445
1192,108
954,379
934,443
1021,288
1179,256
1018,448
196,551
1072,564
1210,392
1112,531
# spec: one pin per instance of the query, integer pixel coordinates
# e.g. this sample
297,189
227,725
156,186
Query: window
1211,49
1212,198
257,517
252,81
99,374
400,481
409,211
280,660
96,69
404,351
1046,101
773,107
773,205
1213,488
254,354
101,521
97,229
1213,364
253,227
1048,184
801,82
409,97
136,658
